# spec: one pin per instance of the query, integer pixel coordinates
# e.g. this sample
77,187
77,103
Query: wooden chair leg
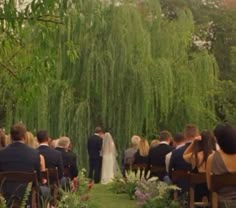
191,197
214,200
34,198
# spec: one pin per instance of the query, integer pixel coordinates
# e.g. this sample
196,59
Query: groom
95,160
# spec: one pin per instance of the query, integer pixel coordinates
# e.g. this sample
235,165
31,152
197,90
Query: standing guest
68,158
141,156
18,157
94,147
222,161
158,154
196,154
53,158
177,161
178,142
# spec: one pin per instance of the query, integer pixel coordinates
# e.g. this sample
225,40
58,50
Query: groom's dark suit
95,160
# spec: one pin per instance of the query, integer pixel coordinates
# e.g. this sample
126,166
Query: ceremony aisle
104,198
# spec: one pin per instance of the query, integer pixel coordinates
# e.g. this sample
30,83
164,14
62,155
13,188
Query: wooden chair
218,182
179,175
23,177
196,179
142,167
155,170
66,172
54,182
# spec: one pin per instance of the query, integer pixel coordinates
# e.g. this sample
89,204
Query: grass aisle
104,198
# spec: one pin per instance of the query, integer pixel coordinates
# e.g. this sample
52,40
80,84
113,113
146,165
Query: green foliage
118,185
125,67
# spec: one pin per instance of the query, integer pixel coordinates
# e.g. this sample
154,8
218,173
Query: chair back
53,176
157,169
45,175
23,177
218,182
140,166
195,179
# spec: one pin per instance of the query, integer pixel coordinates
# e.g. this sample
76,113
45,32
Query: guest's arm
188,153
42,163
208,170
171,166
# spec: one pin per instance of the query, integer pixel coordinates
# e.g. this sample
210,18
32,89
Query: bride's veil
108,147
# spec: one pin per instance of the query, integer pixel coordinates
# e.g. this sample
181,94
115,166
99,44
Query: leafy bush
118,185
155,194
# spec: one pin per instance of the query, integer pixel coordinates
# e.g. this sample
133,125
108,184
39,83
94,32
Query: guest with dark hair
157,154
222,161
177,162
196,154
18,157
178,141
53,158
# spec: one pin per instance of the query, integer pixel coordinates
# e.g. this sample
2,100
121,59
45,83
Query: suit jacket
18,157
94,147
53,158
177,162
69,161
157,157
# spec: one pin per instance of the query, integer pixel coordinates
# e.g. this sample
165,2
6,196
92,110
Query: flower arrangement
79,197
153,193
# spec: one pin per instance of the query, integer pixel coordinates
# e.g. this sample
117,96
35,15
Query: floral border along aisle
149,193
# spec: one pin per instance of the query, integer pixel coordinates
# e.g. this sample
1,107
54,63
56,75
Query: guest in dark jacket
69,159
53,158
18,157
177,161
157,154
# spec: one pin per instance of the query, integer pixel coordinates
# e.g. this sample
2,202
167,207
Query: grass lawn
104,198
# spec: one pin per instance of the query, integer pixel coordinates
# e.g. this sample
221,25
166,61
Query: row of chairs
52,181
217,182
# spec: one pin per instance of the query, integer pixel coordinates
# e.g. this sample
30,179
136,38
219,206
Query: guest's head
143,147
64,142
165,136
2,138
135,141
18,132
226,138
178,139
206,145
190,132
54,143
154,143
30,140
42,136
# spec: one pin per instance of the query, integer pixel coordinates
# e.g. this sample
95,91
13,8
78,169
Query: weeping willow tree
126,66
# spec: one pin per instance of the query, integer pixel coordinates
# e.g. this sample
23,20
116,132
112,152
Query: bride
110,167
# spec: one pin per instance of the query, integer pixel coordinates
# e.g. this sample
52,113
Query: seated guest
222,161
68,157
154,143
178,142
157,154
177,161
31,140
130,152
18,157
53,158
196,154
141,156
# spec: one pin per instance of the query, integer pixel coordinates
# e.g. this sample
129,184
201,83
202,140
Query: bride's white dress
108,163
110,167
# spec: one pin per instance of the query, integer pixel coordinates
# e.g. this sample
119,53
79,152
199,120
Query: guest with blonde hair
154,143
130,152
31,140
141,156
